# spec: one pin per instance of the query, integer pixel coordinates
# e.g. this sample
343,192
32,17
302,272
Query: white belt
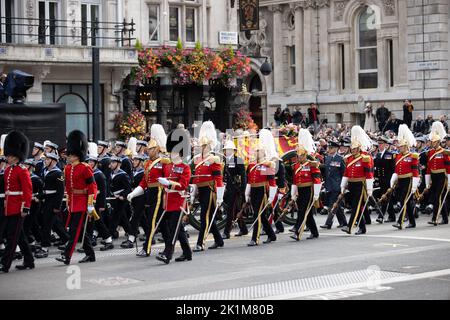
13,193
2,195
50,191
117,192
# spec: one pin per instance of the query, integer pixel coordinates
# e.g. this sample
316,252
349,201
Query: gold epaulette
365,158
415,155
315,164
165,161
447,152
269,164
346,158
215,159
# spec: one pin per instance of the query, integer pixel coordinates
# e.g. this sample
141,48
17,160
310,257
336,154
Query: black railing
66,32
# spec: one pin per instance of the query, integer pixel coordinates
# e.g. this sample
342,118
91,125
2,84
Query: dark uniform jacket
100,180
384,167
234,174
120,184
127,166
334,168
53,192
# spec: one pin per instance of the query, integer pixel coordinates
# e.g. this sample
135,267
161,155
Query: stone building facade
344,53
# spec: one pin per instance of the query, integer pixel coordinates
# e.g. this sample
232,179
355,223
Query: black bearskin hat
178,140
77,144
16,144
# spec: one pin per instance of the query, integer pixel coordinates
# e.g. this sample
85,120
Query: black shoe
17,256
87,259
360,231
59,243
346,230
25,266
341,226
127,244
63,259
311,236
380,220
80,250
390,220
295,237
107,246
215,246
279,231
41,253
252,244
62,247
398,226
3,269
409,226
115,235
442,222
325,226
293,229
103,242
240,234
307,229
183,258
434,223
162,257
198,248
269,240
225,236
94,242
142,254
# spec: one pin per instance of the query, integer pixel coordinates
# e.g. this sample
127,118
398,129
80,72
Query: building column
335,82
324,49
381,62
299,81
310,63
277,49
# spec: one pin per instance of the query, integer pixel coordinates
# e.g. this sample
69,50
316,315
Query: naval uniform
120,186
100,205
32,225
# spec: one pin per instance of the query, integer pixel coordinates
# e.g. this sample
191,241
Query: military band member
120,188
38,153
358,176
154,169
438,173
235,178
406,175
261,188
177,174
334,168
52,197
81,192
99,227
306,185
18,195
384,168
208,184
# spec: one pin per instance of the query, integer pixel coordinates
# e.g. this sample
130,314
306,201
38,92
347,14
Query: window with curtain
367,50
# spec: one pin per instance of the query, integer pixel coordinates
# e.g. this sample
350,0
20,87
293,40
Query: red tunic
260,174
18,190
80,183
438,160
306,174
208,170
153,170
407,165
181,174
360,167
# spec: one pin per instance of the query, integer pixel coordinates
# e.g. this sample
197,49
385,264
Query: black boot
24,266
252,243
360,231
215,246
142,254
63,259
312,236
183,258
162,257
87,259
107,246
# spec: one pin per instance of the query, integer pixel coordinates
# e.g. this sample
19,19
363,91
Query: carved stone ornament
339,8
389,7
30,15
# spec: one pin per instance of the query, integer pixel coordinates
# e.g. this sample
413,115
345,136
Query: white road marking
393,245
386,236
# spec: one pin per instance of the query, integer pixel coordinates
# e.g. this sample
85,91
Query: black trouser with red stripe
207,205
168,227
258,199
304,201
437,193
403,192
15,236
76,229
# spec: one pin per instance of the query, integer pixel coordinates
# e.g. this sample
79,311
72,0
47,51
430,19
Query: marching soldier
104,159
154,169
208,183
37,154
235,178
137,203
120,188
306,185
358,176
384,168
18,195
178,174
438,173
260,181
81,192
126,165
406,175
280,181
52,198
334,168
100,207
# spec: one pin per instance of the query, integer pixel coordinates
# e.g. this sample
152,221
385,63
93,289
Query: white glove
394,179
247,193
448,181
135,193
220,192
344,183
369,185
90,209
317,191
164,181
415,184
193,188
294,192
427,181
280,196
272,193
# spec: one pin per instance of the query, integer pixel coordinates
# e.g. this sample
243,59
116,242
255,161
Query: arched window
76,112
367,49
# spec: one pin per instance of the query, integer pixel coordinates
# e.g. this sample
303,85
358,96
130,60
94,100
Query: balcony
52,41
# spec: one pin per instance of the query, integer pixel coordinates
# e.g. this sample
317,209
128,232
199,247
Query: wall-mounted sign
428,65
228,37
